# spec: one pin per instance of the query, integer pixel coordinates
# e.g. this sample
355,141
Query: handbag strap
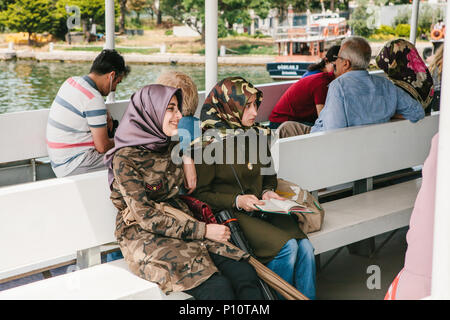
237,179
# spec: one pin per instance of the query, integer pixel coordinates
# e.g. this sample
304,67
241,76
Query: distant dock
158,58
136,58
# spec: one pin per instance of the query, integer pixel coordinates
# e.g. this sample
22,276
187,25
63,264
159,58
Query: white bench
24,151
59,219
327,159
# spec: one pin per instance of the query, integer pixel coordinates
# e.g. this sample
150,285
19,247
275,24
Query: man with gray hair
357,98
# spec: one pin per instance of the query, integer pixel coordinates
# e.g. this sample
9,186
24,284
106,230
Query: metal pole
210,44
109,34
414,18
440,280
109,24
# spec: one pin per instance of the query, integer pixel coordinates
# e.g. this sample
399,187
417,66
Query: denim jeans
296,264
115,255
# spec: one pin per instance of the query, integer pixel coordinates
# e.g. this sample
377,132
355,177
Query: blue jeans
115,255
296,264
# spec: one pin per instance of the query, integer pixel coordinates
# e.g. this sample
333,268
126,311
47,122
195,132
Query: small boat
303,40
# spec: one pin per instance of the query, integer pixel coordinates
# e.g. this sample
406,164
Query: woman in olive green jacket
235,174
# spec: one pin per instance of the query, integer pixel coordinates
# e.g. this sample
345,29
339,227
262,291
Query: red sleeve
320,90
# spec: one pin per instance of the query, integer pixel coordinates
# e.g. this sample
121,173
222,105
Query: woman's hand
247,202
272,195
217,232
190,174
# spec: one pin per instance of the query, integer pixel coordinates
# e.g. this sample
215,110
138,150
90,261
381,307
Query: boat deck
344,278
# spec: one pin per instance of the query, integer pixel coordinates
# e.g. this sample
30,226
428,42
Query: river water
32,85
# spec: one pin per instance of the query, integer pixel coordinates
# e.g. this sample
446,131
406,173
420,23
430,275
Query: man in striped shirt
78,122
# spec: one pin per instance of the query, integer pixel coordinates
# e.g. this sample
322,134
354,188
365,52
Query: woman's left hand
190,174
272,195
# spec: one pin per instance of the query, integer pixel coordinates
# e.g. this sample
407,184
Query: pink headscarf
142,122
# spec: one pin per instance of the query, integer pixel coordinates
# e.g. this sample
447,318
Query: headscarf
141,125
224,107
404,67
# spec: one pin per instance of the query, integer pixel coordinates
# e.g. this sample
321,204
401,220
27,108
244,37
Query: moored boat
304,39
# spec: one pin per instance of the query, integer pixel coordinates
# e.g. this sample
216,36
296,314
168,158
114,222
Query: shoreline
132,58
158,58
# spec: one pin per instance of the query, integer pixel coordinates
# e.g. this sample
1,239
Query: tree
192,12
4,4
91,11
138,6
123,10
31,16
360,19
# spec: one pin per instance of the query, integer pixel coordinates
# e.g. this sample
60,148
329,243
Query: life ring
437,34
325,32
336,30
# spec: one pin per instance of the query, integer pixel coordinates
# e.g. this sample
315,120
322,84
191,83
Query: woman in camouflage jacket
157,235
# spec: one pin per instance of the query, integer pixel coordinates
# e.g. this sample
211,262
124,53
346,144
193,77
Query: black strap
237,179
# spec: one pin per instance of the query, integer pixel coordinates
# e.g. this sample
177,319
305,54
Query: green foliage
31,16
192,12
402,17
359,21
386,30
4,4
403,30
427,17
168,32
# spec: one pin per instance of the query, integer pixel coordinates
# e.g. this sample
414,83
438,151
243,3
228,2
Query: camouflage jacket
168,249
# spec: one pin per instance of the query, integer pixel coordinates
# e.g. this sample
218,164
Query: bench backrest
53,218
24,132
326,159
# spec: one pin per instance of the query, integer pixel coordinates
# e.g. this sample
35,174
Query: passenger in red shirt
304,100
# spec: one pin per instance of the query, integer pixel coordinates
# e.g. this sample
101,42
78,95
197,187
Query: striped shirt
78,106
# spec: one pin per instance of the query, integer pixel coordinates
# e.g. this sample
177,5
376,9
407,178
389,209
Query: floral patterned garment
403,65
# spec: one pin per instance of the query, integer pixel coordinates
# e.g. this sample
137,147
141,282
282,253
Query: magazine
282,207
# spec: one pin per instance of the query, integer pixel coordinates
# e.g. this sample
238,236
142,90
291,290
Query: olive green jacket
218,187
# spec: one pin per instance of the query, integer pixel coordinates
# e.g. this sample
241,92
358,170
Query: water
32,85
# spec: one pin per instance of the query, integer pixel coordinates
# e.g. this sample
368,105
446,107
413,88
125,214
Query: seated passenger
189,125
304,100
356,97
414,281
403,65
436,72
189,122
324,65
238,184
158,236
78,123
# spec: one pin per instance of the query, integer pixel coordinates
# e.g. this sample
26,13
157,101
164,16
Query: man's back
358,98
77,107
